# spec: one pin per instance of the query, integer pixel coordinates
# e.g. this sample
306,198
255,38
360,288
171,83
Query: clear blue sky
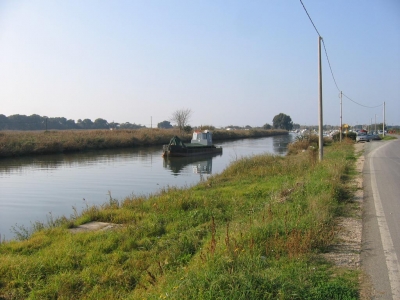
230,62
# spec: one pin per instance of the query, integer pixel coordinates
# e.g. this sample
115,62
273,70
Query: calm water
32,188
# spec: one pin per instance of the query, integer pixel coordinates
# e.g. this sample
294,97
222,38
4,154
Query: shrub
350,135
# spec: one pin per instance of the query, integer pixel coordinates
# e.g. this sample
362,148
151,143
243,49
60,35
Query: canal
42,187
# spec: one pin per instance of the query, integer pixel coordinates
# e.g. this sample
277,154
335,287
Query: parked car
362,137
375,137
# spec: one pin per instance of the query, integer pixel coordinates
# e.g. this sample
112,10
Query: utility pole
383,124
370,127
151,121
375,123
341,123
320,140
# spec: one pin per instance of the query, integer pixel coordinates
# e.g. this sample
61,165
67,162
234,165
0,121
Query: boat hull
177,151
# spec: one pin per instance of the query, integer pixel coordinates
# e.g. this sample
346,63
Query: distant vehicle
362,137
375,137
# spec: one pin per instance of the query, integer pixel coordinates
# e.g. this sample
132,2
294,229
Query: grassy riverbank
17,143
255,231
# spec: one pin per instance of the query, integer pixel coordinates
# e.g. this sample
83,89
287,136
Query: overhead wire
360,103
329,63
310,18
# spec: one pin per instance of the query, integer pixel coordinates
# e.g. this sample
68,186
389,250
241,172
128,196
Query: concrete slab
94,226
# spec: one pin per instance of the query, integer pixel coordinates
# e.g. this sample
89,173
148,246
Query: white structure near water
202,137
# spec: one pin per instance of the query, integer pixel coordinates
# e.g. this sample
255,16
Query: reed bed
254,231
17,143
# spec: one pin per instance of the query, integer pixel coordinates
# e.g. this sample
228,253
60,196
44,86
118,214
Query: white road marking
392,262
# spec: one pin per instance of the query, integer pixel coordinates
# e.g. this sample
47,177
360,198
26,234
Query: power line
310,18
326,53
329,63
360,103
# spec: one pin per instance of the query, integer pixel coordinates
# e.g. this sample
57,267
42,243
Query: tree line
36,122
180,118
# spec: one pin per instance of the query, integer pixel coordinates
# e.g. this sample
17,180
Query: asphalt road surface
381,218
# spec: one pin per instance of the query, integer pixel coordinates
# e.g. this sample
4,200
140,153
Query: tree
181,118
100,123
188,129
267,126
164,124
207,127
282,121
85,124
128,125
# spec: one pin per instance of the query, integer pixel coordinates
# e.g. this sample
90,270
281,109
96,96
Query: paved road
381,218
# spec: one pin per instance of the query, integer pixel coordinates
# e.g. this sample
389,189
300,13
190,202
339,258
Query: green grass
387,137
253,232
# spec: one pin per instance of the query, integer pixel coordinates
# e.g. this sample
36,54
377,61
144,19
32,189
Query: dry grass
17,143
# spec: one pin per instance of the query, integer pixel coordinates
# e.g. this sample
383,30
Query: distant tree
181,118
113,125
164,124
85,124
70,124
100,124
128,125
3,122
56,123
23,122
296,126
282,121
233,127
207,127
247,127
188,129
267,126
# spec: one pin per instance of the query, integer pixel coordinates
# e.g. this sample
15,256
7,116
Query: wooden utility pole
383,123
341,123
320,139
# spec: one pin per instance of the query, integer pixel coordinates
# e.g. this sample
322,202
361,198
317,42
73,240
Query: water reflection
54,161
200,164
280,143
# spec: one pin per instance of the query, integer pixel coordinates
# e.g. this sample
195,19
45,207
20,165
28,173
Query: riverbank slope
255,231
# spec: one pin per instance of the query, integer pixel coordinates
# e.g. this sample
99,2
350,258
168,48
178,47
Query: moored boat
200,144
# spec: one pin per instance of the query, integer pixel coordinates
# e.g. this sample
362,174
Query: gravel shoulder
346,250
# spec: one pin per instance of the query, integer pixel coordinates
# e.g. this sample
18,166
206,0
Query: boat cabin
202,137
